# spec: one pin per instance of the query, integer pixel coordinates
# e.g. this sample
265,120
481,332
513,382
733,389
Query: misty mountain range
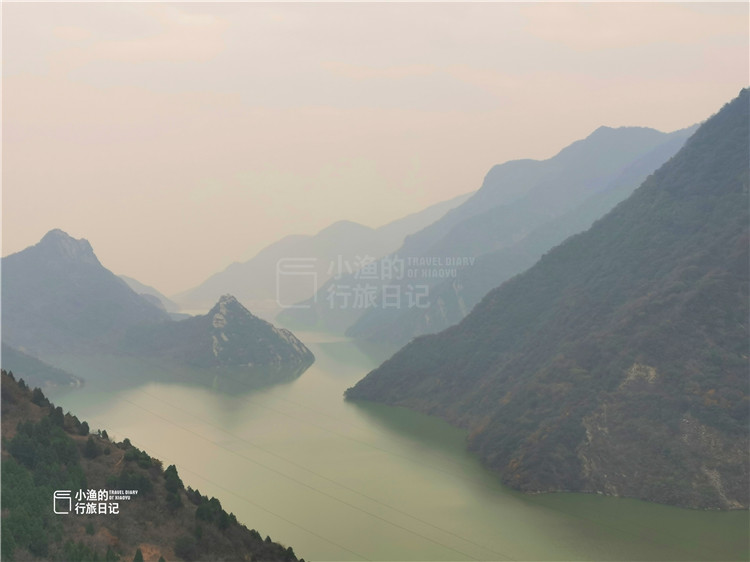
261,285
80,307
451,299
596,343
58,299
561,196
617,364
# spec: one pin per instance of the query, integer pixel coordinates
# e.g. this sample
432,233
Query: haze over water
349,481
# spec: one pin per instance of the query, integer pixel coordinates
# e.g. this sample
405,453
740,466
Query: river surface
347,481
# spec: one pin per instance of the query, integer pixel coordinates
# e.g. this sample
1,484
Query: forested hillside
45,450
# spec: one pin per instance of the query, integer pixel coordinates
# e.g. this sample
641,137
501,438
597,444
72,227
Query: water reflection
122,372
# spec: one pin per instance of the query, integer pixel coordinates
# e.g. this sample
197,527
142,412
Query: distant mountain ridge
58,299
515,198
617,364
260,283
452,299
57,296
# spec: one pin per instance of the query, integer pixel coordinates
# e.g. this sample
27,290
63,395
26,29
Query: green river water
345,481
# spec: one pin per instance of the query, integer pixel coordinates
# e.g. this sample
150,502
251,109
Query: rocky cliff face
227,336
240,338
709,459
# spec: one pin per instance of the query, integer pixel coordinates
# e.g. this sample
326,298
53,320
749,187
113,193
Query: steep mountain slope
228,336
36,372
59,301
530,190
150,292
259,284
452,299
44,451
618,363
57,296
515,199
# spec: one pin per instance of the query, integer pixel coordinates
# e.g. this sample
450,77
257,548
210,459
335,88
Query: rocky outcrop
227,336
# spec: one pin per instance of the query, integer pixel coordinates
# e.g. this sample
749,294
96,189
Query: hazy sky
178,138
